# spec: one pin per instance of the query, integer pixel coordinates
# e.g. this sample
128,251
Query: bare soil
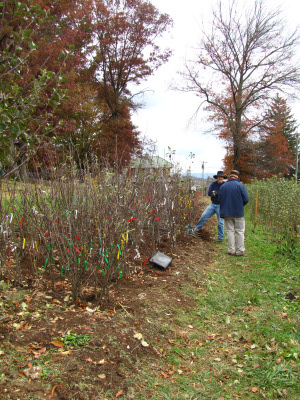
123,334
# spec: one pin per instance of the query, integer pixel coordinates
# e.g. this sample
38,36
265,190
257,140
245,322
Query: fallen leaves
90,310
33,372
139,336
101,362
37,351
54,320
67,352
57,343
52,392
21,326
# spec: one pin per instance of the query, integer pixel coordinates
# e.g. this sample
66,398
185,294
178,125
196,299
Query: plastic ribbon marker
120,272
119,252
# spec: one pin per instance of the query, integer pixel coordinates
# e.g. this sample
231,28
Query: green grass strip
242,339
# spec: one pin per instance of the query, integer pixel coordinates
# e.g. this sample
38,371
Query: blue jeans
208,213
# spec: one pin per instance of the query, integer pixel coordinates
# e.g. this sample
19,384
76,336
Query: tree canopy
66,67
242,62
123,54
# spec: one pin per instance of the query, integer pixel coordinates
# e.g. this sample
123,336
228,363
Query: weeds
74,340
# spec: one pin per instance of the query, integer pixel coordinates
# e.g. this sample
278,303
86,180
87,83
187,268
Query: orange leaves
37,350
101,362
57,343
173,372
52,392
114,70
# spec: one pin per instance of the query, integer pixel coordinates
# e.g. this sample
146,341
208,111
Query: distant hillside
199,175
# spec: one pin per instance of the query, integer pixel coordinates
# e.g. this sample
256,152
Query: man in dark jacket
213,208
233,197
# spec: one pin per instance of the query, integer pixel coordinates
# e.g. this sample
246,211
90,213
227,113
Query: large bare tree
245,58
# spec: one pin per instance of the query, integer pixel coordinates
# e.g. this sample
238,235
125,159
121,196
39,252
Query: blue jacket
233,197
215,186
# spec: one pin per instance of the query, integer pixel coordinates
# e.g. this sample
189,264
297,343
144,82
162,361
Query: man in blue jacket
233,197
213,208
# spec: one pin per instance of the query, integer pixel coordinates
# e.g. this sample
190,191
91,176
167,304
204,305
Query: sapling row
90,229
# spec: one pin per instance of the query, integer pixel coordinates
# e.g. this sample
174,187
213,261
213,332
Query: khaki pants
235,229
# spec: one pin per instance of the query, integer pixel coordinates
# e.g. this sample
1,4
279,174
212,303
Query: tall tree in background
272,151
124,54
84,126
67,31
68,69
246,51
280,121
277,144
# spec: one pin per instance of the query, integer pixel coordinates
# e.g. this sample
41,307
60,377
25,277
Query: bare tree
241,63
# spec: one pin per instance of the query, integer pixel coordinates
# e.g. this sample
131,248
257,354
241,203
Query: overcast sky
166,115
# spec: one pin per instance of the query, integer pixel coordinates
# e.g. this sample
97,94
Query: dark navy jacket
215,186
233,197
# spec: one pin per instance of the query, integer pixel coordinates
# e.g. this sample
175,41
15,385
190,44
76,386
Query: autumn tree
67,31
278,138
53,99
279,120
84,126
23,93
42,51
118,139
246,51
270,149
124,53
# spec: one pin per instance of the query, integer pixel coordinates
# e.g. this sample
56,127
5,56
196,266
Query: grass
241,341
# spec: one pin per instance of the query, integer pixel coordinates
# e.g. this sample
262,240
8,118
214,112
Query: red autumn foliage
262,153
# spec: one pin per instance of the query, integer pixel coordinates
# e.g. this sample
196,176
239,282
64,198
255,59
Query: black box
161,260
